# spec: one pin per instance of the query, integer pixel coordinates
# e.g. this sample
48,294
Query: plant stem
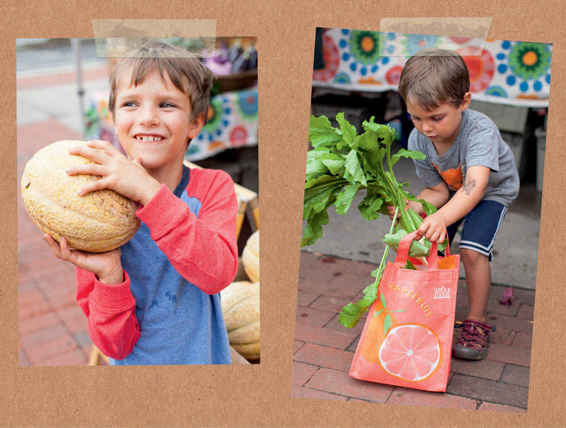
385,253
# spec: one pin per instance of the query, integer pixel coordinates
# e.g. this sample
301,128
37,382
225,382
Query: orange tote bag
407,337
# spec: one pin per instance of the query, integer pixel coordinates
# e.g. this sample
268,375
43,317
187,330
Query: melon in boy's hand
97,222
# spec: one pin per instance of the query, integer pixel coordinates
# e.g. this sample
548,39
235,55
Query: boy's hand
415,206
390,209
106,266
118,173
433,228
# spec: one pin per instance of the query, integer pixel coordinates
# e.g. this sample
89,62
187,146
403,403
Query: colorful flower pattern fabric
231,122
516,73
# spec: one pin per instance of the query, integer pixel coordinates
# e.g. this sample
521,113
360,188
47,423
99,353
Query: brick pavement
52,328
323,349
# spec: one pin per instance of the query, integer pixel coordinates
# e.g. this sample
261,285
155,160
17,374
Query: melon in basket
96,222
240,307
250,257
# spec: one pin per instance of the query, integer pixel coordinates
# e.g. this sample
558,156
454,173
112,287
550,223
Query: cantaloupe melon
240,306
250,257
96,222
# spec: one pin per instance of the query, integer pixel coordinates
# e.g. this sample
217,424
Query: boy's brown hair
434,76
184,69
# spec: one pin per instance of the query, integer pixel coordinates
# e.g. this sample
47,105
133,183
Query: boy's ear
196,125
466,101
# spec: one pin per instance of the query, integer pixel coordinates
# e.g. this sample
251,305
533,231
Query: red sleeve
202,249
111,312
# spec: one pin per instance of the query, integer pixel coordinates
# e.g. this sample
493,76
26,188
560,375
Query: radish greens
342,164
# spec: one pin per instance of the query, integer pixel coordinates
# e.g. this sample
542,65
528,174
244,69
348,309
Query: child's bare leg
478,281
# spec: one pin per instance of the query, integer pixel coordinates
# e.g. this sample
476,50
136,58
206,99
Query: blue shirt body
179,323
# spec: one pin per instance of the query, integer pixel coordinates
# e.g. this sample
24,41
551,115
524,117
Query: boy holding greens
469,174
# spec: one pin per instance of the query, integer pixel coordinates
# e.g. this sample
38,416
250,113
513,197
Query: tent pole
79,76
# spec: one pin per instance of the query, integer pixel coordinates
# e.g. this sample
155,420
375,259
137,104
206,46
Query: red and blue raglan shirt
167,310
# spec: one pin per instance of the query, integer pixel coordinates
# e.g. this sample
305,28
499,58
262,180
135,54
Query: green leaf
371,153
356,142
322,161
387,324
315,167
321,200
314,195
313,228
382,298
348,130
427,207
409,154
409,265
321,179
370,206
321,132
368,141
417,249
335,166
385,133
375,159
372,126
415,218
350,315
345,197
354,172
352,312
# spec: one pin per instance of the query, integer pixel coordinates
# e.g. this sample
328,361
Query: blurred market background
62,91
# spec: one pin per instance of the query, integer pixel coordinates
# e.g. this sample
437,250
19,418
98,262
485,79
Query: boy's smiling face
153,123
441,124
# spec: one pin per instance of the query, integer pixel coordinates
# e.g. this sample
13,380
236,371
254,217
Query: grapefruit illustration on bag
410,352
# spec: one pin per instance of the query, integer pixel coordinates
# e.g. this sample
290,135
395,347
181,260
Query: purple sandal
473,341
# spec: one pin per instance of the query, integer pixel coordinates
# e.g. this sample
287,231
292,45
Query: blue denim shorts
480,227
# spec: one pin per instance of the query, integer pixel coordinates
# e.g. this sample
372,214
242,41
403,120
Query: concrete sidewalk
323,349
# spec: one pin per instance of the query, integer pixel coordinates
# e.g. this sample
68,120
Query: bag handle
405,244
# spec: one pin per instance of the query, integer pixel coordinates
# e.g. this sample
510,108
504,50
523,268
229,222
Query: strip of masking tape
452,30
116,37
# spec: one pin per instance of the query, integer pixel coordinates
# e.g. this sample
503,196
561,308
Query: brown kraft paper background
259,395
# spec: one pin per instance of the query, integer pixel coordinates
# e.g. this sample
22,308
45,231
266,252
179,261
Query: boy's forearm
113,277
112,322
436,197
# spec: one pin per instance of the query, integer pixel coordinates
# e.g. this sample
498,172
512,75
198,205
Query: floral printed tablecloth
501,71
232,122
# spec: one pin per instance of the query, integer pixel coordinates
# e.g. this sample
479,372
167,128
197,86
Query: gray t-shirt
478,143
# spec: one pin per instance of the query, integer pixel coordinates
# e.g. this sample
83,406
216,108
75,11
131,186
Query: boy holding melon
469,174
155,300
